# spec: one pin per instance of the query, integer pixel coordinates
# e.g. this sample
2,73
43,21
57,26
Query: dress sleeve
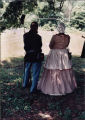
68,41
52,42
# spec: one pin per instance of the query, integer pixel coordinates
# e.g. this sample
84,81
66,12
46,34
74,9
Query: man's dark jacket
32,41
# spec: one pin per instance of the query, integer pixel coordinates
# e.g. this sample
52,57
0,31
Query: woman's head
61,27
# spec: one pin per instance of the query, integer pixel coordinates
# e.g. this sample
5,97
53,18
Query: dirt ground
12,42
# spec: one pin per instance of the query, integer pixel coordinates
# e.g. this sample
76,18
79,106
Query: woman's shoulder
68,36
55,35
59,36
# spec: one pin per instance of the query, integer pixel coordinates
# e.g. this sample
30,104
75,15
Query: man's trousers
36,67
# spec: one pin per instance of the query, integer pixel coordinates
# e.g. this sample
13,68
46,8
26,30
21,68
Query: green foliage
49,26
67,114
78,16
1,4
12,15
78,21
15,9
48,14
82,116
54,106
2,26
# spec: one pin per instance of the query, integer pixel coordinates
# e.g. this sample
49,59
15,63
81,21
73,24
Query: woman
58,77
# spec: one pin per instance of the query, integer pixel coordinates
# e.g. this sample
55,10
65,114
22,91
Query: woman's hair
61,27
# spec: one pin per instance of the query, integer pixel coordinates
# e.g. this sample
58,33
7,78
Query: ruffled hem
58,94
57,82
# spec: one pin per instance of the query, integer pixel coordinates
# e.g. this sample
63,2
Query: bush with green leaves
78,21
78,16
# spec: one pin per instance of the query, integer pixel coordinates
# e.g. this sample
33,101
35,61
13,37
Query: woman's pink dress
58,77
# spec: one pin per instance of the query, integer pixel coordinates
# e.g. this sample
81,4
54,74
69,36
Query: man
32,45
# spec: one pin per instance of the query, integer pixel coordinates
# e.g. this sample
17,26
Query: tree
78,16
1,4
48,12
15,9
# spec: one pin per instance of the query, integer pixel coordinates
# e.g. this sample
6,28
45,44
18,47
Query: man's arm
26,44
40,41
51,42
24,40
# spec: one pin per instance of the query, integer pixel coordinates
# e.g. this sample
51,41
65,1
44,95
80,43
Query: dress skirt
58,77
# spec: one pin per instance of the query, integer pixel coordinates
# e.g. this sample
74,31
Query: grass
17,104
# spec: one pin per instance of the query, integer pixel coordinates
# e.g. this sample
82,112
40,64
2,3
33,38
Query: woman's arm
51,42
67,41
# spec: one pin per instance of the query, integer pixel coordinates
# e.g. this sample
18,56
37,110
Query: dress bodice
59,41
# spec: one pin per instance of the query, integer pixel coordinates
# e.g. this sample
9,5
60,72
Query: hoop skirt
58,77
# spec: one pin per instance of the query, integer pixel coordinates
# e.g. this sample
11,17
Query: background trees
56,10
39,8
78,16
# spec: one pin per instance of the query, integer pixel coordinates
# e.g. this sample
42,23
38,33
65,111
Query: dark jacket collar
33,32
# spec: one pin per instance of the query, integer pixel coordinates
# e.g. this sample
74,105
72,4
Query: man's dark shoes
23,88
35,91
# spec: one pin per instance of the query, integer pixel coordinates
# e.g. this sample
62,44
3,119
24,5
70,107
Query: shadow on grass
17,103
